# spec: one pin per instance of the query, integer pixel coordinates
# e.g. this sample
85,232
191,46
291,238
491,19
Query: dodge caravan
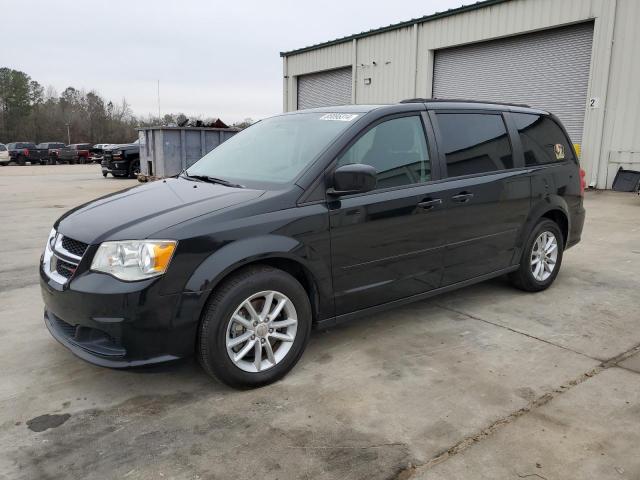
311,218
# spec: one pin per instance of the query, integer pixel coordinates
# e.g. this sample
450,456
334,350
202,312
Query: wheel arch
554,208
561,219
276,251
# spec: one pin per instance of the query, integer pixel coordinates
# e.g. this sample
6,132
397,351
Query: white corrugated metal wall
548,69
400,65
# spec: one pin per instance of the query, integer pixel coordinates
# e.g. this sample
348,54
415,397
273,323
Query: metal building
579,59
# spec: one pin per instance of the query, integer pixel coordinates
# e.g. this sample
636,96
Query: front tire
254,328
134,169
541,258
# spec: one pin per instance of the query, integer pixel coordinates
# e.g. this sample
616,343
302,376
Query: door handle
463,197
429,204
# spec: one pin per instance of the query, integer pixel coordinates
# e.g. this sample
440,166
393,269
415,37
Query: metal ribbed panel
324,88
387,60
547,70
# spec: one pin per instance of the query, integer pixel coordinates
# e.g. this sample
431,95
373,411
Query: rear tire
542,252
263,362
104,175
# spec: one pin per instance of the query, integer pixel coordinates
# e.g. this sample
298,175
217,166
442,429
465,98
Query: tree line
31,113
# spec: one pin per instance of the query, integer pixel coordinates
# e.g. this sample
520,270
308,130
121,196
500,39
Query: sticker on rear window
341,117
558,149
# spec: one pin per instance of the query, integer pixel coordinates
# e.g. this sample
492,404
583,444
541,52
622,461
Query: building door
324,89
547,70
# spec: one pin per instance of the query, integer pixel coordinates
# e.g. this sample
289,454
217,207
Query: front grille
74,247
65,269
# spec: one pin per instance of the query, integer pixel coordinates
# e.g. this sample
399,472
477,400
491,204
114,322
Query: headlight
134,259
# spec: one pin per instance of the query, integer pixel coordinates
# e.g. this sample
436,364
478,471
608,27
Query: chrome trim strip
61,253
46,267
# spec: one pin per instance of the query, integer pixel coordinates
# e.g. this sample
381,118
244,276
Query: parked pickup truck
53,150
75,153
97,151
121,160
22,152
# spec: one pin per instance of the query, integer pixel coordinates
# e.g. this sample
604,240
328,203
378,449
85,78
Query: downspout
595,172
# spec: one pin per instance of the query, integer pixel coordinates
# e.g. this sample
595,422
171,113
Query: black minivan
312,218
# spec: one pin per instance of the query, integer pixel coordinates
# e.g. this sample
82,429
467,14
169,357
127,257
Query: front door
487,193
387,244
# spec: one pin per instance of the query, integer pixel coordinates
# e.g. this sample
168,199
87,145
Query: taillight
26,152
583,181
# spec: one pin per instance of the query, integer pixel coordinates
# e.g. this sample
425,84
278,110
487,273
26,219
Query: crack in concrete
473,317
468,441
340,447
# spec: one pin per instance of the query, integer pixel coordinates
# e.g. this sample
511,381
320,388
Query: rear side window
474,143
542,139
2,148
397,150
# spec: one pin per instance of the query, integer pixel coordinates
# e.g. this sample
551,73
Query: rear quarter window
474,143
543,141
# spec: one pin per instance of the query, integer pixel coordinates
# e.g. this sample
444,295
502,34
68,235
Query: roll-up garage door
547,70
325,88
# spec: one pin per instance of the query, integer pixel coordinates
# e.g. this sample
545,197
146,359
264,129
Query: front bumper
118,324
117,167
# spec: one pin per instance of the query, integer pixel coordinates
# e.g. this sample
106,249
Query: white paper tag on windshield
341,117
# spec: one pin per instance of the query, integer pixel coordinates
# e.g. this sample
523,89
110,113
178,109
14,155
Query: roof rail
461,100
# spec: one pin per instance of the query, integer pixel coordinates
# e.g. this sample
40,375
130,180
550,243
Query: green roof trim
396,26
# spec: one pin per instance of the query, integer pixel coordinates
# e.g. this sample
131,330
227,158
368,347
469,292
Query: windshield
274,150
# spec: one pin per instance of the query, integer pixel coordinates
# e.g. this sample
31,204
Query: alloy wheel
261,331
544,255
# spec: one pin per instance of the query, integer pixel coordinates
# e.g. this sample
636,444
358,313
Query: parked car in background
312,217
53,150
22,152
97,151
75,153
4,155
121,160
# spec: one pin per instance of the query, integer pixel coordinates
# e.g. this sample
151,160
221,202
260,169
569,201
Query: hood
141,211
121,146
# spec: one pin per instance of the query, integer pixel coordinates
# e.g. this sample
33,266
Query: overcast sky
213,58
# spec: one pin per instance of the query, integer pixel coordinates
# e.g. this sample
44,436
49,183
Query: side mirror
353,178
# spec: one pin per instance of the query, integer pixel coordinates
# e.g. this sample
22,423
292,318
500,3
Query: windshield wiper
207,178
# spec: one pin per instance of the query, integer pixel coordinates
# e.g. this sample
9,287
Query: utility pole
68,125
159,115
